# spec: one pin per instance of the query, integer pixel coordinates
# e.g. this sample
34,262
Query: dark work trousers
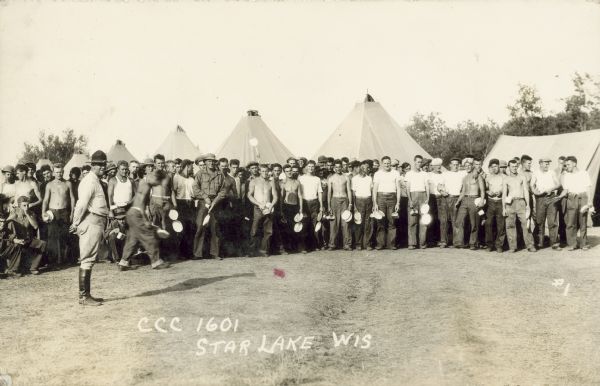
363,231
312,239
277,238
339,205
576,220
387,225
261,232
494,215
292,241
546,210
34,252
446,211
159,215
466,209
116,246
433,229
140,231
58,236
402,223
183,242
418,199
208,231
517,209
562,225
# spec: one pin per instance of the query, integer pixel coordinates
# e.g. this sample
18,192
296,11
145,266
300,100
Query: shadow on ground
185,285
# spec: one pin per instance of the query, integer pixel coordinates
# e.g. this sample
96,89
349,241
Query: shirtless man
339,197
291,205
140,228
493,185
59,198
473,187
515,195
262,193
162,196
26,187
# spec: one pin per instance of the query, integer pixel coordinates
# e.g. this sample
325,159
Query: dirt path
434,317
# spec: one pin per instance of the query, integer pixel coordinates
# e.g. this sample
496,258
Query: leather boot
85,299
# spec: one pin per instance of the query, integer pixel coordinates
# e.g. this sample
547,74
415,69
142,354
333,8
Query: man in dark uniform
209,188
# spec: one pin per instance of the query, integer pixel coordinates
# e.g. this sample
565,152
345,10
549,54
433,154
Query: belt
99,215
453,195
386,193
495,199
363,198
472,196
163,197
314,199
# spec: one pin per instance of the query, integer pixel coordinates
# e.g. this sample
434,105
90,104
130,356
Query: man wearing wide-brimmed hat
89,221
209,188
7,188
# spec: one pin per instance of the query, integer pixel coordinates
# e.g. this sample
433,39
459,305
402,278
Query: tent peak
179,129
369,98
119,142
253,113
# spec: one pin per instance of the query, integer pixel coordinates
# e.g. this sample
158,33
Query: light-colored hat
177,226
8,169
426,219
48,216
545,159
395,215
298,217
298,227
206,220
347,215
318,226
162,234
173,214
436,162
209,156
320,216
479,202
377,215
357,218
425,209
508,199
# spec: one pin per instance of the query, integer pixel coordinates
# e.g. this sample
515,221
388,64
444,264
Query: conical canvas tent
78,160
584,145
252,140
118,152
370,132
178,145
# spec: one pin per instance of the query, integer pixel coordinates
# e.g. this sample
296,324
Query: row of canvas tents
368,131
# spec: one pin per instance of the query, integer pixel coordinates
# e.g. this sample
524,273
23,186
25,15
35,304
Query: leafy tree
54,147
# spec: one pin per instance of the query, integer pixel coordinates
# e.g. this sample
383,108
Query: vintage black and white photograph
299,192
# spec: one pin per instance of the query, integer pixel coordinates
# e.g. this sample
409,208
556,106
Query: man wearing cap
89,220
473,188
493,186
362,186
503,167
436,201
7,188
209,189
339,196
576,185
60,200
312,196
134,168
544,185
263,194
515,195
115,233
386,197
418,194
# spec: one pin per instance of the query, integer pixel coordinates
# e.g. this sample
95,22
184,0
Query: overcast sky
135,70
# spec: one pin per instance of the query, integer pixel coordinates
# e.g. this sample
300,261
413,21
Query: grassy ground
434,316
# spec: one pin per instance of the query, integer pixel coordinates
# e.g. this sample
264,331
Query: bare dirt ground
435,317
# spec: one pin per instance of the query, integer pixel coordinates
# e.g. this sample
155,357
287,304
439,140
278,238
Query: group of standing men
214,208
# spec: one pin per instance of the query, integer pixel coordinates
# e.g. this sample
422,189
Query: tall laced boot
85,299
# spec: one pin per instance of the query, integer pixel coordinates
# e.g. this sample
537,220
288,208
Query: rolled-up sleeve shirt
209,185
91,198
